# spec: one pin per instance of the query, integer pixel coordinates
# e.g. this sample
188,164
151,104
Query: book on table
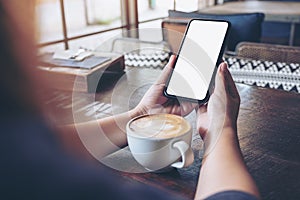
85,75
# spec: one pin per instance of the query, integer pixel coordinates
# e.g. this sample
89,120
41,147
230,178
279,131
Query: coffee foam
159,126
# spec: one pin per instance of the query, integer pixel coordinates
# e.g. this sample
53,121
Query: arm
98,137
223,167
104,136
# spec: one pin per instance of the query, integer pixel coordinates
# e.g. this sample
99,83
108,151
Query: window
62,21
50,28
153,9
88,16
74,23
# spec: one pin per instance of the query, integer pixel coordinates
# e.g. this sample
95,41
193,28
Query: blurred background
87,22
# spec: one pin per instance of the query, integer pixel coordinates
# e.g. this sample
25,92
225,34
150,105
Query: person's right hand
221,112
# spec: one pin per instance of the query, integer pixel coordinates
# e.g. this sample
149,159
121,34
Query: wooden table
268,128
269,133
288,12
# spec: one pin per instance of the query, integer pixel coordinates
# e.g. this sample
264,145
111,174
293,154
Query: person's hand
155,102
221,112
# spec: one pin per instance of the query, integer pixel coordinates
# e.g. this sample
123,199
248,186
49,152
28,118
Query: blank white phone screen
197,59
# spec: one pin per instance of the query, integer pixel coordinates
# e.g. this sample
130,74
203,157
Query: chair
173,31
270,52
266,65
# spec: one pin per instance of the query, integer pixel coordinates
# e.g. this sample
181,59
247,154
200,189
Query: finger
166,71
230,85
187,107
202,109
171,61
220,81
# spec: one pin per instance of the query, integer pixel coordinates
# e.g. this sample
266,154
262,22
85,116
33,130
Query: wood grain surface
268,129
269,134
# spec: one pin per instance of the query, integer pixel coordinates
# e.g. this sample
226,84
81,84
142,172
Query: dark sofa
264,31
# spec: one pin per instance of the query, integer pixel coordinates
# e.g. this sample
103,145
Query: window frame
129,20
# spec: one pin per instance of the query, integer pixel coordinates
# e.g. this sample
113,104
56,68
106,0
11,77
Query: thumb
220,85
229,83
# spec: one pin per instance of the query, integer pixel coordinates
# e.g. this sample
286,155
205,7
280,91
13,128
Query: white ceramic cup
160,141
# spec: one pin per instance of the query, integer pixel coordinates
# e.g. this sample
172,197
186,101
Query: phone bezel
219,60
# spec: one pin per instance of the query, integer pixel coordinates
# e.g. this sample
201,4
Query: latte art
159,126
160,141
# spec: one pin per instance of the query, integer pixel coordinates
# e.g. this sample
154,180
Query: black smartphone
196,63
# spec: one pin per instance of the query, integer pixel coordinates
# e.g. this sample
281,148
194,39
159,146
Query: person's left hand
154,101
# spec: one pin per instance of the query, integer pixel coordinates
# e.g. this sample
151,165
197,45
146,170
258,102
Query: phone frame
219,60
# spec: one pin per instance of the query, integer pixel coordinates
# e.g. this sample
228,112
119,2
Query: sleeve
232,195
34,165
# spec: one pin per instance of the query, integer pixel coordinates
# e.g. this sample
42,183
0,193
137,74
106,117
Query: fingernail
223,67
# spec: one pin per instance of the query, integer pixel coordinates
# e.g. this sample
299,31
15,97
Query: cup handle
187,155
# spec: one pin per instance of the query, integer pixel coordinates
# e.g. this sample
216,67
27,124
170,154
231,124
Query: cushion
279,32
157,59
244,27
276,29
262,73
